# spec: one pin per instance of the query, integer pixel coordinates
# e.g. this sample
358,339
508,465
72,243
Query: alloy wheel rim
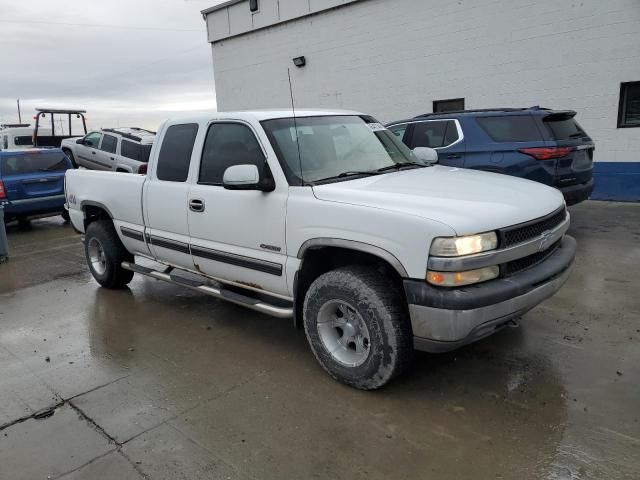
343,333
96,256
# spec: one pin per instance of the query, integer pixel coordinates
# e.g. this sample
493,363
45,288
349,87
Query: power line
92,25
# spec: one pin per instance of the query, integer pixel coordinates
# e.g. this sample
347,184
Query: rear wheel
105,254
357,327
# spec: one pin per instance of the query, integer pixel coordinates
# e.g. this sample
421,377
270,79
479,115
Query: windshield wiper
349,174
398,166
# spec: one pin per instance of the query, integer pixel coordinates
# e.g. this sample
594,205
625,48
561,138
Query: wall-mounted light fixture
253,5
300,61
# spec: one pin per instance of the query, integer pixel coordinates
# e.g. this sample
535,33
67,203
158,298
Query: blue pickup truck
547,146
32,183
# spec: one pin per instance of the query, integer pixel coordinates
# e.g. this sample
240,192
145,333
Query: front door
237,235
88,151
444,136
166,194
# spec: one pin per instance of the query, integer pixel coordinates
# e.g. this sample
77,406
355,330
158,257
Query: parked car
548,146
18,137
116,149
32,183
329,219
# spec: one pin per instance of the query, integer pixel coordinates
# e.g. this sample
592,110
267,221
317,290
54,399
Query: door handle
112,158
196,205
92,152
453,156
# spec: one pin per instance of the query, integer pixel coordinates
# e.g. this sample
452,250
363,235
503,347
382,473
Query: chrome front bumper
445,319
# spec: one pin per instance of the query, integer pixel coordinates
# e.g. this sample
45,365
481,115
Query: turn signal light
459,279
547,153
3,193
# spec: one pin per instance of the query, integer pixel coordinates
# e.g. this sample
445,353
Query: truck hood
469,201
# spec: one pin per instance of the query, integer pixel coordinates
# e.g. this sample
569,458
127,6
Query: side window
399,130
109,143
428,134
93,139
450,134
130,150
228,144
175,152
515,128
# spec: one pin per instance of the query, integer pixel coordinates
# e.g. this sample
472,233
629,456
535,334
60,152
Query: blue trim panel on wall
618,181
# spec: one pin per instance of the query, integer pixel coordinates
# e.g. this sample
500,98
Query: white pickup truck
326,218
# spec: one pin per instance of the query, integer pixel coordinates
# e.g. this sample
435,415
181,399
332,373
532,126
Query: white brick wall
392,58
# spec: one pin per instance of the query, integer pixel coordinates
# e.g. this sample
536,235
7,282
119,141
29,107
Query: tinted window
228,144
93,139
175,153
23,140
434,134
5,142
451,105
135,151
33,163
109,143
563,127
629,108
516,128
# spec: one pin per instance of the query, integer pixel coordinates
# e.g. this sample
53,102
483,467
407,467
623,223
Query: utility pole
19,114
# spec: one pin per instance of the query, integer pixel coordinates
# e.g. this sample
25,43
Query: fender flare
354,245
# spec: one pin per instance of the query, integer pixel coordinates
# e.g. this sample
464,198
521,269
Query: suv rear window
135,151
514,128
33,163
563,127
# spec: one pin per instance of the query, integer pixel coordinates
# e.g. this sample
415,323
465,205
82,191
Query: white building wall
392,58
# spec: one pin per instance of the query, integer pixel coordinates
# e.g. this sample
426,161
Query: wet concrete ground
163,383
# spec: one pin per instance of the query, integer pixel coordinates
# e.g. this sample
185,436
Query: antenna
295,125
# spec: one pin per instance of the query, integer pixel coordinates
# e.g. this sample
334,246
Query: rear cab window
175,153
510,128
33,163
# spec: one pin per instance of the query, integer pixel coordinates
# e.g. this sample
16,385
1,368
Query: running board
221,293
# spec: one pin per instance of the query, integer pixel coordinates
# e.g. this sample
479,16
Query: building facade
399,58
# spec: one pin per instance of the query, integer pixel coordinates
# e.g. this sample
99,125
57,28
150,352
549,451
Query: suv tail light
142,169
547,153
3,193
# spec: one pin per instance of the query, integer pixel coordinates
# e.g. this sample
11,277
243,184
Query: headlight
459,279
458,246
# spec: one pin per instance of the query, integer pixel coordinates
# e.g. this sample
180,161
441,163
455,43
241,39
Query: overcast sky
127,62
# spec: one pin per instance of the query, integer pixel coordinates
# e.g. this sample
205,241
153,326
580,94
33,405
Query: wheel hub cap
96,256
343,333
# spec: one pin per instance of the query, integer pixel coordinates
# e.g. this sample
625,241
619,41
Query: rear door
443,135
106,154
34,180
576,167
166,195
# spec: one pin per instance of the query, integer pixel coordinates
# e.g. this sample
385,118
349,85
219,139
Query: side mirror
426,155
80,141
246,177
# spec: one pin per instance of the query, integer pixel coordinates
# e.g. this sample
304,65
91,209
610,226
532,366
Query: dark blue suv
544,145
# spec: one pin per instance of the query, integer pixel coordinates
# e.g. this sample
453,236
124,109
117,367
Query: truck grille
522,233
524,263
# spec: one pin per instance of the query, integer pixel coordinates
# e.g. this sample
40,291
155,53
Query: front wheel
357,327
105,254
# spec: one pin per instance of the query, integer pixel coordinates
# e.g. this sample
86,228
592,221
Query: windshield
334,147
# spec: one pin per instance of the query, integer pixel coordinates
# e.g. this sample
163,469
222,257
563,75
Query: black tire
382,309
65,216
109,272
24,223
69,154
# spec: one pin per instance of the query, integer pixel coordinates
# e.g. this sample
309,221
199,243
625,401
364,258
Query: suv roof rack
482,110
122,131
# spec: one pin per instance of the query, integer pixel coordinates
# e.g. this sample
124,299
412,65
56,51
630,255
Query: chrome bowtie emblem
544,240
